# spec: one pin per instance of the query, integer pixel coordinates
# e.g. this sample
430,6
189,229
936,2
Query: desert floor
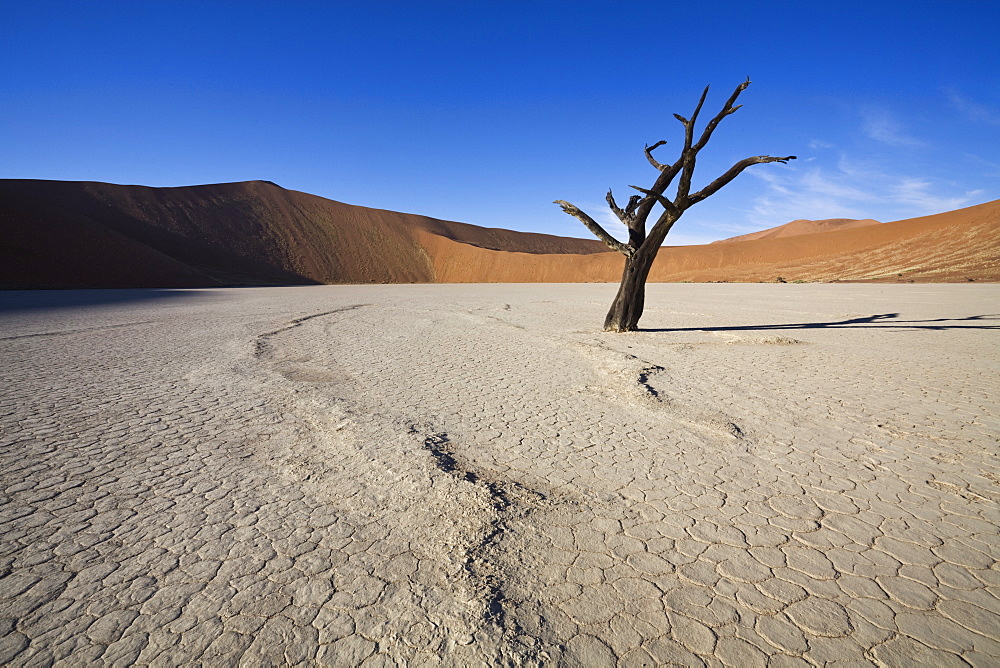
423,474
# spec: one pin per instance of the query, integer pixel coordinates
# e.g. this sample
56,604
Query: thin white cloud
981,160
852,189
975,111
771,211
688,239
882,126
993,168
916,193
608,220
817,182
729,228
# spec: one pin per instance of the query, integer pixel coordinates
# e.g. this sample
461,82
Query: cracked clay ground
467,475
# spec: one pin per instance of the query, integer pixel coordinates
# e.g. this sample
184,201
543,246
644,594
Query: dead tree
641,248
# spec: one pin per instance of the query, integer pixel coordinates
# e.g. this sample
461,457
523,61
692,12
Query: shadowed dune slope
88,234
85,234
236,233
45,246
799,227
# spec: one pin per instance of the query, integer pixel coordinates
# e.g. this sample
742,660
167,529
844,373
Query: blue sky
486,112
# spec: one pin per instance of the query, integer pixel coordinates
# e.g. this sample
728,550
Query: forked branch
595,228
689,125
667,204
618,211
633,203
626,215
727,109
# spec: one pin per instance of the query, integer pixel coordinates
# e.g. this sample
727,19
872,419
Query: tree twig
649,154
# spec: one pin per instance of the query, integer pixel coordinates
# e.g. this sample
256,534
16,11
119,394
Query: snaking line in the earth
261,342
504,505
698,418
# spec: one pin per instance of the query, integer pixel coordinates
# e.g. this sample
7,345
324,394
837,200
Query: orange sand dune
799,227
954,246
86,234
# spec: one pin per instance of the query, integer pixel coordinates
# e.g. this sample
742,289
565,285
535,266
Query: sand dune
800,227
47,246
87,234
954,246
84,234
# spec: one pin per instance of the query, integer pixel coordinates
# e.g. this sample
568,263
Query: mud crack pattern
463,475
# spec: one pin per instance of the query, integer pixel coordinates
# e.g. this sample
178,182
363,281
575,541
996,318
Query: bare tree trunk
641,249
627,307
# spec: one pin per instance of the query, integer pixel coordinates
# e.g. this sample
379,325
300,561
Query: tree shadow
877,321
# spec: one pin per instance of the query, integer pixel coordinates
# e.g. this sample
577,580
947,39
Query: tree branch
649,154
594,227
662,183
636,227
684,185
667,204
689,126
685,161
614,207
727,109
732,173
633,202
638,210
627,216
688,153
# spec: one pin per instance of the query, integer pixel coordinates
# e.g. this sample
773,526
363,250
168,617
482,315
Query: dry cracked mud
467,475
